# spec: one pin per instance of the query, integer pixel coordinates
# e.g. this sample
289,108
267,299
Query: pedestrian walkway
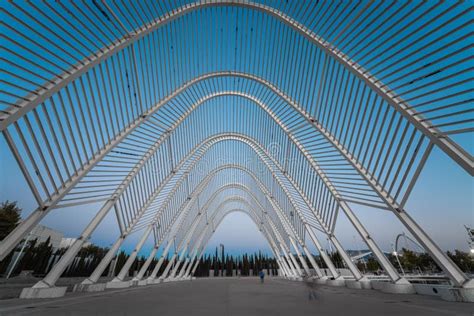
237,296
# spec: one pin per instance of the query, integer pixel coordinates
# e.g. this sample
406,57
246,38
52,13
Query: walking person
261,274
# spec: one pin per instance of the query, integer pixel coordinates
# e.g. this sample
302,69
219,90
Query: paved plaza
233,296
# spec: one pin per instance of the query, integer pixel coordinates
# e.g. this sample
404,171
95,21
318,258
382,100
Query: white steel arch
447,145
114,124
439,256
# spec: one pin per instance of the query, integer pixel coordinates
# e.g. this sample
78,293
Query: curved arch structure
291,113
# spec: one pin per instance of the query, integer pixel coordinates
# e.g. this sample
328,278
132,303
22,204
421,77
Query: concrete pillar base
429,289
394,288
293,278
336,282
361,284
43,292
457,294
117,284
92,287
377,285
153,281
140,282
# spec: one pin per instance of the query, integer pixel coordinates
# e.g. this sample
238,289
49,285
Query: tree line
39,258
245,265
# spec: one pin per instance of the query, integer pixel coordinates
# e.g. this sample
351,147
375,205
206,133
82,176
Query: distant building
470,241
42,233
67,242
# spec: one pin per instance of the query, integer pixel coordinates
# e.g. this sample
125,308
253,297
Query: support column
183,269
188,269
195,252
282,264
190,266
118,281
177,223
180,259
168,267
313,262
153,274
46,287
282,268
290,262
286,268
20,231
399,284
197,263
94,277
360,281
89,284
336,275
456,275
185,242
145,266
379,255
295,264
303,261
290,266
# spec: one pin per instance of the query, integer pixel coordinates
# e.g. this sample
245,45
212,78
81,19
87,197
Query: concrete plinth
430,289
117,284
336,282
139,282
93,287
43,292
299,279
457,294
394,288
153,281
378,285
361,284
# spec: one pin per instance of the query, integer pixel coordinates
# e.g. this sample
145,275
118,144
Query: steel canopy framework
119,103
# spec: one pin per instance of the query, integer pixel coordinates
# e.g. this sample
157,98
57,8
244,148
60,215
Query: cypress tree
43,254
